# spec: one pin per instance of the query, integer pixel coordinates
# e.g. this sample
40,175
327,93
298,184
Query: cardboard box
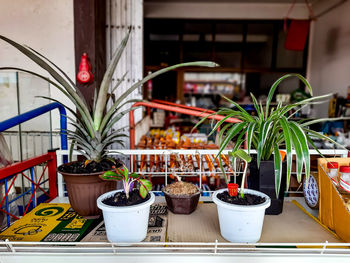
49,222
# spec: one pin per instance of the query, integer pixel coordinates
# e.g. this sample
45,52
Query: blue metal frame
4,125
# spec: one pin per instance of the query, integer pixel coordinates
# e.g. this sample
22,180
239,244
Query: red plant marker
232,189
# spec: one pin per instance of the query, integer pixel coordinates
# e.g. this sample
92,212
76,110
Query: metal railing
183,251
9,174
28,168
14,121
163,157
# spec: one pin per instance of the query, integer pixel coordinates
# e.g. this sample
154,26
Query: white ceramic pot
241,223
127,223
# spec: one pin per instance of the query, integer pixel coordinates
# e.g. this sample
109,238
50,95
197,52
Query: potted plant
181,197
126,207
93,127
241,213
268,132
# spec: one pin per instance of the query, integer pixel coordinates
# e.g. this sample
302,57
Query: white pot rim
262,206
122,209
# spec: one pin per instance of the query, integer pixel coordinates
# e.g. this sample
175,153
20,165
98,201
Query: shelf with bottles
210,87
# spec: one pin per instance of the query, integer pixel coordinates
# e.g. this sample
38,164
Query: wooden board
292,226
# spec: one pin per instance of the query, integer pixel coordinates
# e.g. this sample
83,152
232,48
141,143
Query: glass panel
258,50
162,53
36,133
204,89
287,58
200,50
162,42
228,44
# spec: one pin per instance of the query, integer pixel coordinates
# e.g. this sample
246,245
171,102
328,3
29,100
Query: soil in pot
181,188
181,197
92,167
248,199
119,199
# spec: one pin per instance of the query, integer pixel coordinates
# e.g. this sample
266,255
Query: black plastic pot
182,204
263,179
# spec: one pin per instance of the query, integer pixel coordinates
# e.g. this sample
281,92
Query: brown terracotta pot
182,204
83,191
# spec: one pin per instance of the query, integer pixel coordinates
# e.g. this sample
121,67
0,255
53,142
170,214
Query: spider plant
271,130
92,132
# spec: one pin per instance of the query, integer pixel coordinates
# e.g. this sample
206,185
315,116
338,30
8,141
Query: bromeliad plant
93,125
272,129
122,174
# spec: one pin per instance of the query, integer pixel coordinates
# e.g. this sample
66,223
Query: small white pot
241,223
126,223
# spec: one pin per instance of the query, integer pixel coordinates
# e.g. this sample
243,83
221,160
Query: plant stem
243,178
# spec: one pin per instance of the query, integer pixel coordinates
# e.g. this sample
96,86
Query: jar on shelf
345,178
333,172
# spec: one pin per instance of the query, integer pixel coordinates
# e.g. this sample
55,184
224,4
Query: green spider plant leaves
271,131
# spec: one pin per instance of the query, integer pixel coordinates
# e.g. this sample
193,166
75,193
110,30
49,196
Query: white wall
222,10
46,26
329,70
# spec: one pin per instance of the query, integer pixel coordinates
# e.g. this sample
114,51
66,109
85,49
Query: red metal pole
21,166
203,113
182,106
52,166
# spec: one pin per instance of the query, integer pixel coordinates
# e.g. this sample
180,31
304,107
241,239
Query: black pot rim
184,196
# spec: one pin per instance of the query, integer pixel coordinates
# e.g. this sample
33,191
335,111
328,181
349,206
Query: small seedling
241,154
122,174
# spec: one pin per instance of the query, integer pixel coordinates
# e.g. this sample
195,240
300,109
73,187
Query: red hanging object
297,35
298,30
84,75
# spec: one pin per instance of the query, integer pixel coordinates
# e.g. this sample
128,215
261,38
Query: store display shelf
203,170
280,240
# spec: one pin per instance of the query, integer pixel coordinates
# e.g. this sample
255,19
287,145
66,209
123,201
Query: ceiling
236,1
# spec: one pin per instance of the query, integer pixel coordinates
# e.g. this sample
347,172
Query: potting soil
92,167
248,199
119,199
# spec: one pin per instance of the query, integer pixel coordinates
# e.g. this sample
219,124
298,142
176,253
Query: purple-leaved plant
122,174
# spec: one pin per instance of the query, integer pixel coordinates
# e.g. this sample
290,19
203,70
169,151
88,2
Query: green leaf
151,76
323,120
277,82
222,131
235,129
110,175
257,108
246,115
311,100
299,154
219,123
104,129
71,148
278,169
145,187
134,175
250,134
323,137
288,140
43,64
119,82
240,153
304,146
263,133
202,120
86,119
101,101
